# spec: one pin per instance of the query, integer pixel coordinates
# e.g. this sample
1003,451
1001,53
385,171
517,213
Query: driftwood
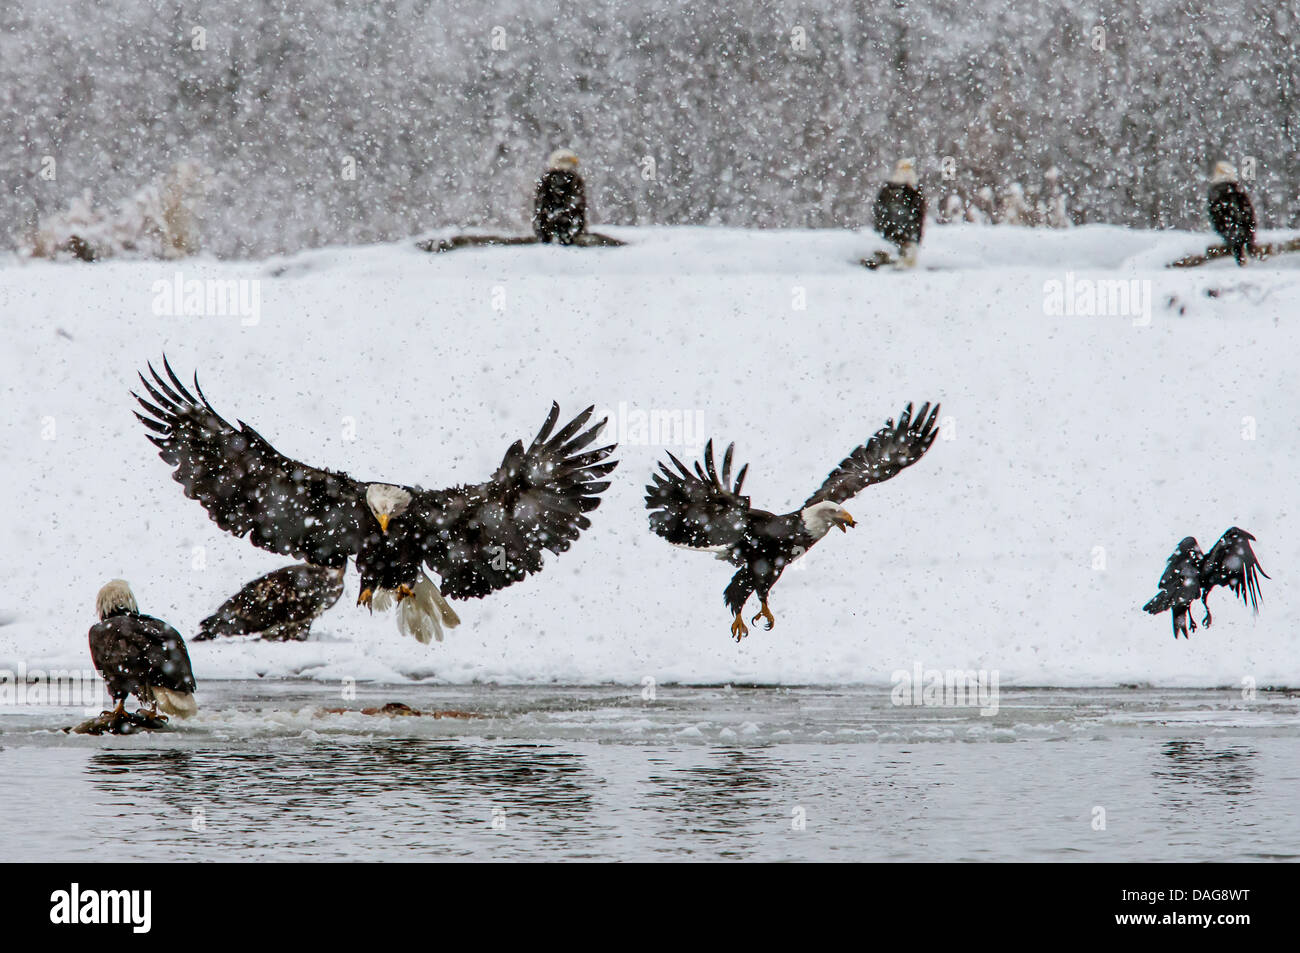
120,723
397,709
1258,252
878,260
883,259
437,245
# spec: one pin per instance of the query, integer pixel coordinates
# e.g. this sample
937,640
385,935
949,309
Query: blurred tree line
330,121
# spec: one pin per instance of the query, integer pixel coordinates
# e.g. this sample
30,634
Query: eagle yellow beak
383,522
847,522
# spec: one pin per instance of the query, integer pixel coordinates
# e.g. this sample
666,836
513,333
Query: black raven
1190,575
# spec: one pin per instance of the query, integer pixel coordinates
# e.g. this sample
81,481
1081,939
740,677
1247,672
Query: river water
267,771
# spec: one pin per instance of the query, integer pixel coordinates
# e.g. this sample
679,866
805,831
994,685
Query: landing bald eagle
479,538
1231,213
1190,575
705,511
280,606
140,655
560,208
899,211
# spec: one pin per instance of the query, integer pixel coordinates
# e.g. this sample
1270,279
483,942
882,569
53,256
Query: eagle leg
765,613
738,628
120,710
403,591
1208,618
365,597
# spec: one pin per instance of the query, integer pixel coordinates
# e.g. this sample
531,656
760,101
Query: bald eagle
140,655
1189,575
1231,213
560,209
899,211
704,510
479,538
280,606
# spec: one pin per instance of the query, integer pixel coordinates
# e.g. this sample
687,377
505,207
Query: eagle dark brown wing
286,599
246,485
700,510
891,450
485,537
135,652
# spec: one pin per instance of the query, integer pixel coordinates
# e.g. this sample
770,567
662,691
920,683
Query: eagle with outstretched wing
705,511
479,538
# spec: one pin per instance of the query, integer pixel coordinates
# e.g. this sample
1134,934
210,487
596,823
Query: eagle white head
904,173
386,501
1224,172
821,517
563,159
116,594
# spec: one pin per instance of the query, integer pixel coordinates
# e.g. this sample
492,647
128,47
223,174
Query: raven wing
247,486
891,450
1231,562
485,537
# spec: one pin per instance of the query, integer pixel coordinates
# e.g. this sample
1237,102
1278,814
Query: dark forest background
745,124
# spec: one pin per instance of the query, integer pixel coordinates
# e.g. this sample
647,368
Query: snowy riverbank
1082,448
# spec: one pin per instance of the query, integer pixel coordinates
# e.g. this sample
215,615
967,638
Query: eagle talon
403,592
365,597
738,628
766,614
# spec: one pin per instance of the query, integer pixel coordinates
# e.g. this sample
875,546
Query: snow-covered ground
1077,449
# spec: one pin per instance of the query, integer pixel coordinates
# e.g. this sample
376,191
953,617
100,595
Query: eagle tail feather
422,615
180,704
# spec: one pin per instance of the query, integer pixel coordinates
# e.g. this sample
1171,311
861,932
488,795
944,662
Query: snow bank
1077,450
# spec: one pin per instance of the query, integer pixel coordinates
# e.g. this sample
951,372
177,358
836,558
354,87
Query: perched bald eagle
1231,213
560,209
479,538
705,511
900,211
280,606
1189,575
140,655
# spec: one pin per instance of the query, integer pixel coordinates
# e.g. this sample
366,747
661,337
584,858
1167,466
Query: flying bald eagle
1190,575
899,211
705,511
478,538
560,209
280,606
140,655
1231,213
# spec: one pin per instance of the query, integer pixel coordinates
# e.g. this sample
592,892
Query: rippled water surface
267,771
